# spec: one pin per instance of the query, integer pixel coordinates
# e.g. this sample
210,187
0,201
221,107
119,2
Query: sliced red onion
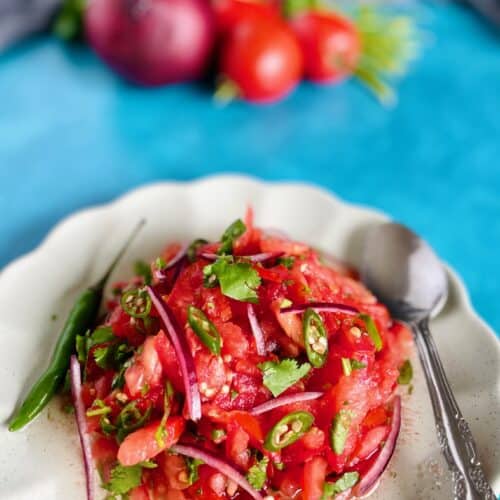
256,331
218,464
81,423
160,274
257,257
285,400
183,353
178,256
371,477
321,306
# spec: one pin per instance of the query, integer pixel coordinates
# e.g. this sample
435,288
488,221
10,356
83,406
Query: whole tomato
261,56
330,43
230,12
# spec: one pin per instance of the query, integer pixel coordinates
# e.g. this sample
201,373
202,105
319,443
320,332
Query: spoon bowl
403,271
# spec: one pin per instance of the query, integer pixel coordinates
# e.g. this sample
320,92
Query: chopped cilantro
123,479
405,373
143,269
343,483
85,342
286,261
235,230
98,408
192,466
237,280
234,394
257,475
193,249
278,377
357,365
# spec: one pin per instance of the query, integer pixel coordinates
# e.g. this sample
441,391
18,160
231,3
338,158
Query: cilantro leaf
235,230
257,474
343,483
278,377
143,269
192,465
123,479
405,373
287,262
85,342
237,280
357,365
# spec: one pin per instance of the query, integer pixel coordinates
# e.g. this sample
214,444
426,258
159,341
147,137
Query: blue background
72,135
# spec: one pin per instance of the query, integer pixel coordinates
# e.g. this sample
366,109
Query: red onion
285,400
219,465
160,274
81,423
256,330
152,42
183,353
370,478
257,257
321,306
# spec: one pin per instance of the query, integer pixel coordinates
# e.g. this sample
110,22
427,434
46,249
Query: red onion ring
219,465
183,353
81,423
285,400
321,306
257,333
257,257
370,478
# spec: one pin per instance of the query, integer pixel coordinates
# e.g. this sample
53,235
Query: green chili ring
288,430
136,303
315,338
204,329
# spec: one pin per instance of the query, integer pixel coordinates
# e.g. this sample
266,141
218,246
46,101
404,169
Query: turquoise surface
72,135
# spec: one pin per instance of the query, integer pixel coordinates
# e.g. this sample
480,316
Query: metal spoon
406,275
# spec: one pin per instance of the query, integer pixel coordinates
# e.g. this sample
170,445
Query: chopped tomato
175,470
237,446
142,444
314,478
139,493
371,441
146,371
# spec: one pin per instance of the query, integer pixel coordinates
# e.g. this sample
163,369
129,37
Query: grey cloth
20,18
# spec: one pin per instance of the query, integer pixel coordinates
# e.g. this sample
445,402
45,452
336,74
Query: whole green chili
81,317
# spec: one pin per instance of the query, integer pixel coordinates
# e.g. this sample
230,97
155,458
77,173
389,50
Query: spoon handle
453,432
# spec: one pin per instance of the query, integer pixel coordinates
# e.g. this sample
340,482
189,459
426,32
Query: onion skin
372,476
152,42
81,423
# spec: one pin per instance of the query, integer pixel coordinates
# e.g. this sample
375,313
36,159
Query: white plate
44,462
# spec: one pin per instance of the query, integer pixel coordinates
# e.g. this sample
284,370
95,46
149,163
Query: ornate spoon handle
453,432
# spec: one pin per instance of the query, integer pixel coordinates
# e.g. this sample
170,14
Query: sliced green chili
81,317
288,430
372,331
136,303
205,329
340,430
315,338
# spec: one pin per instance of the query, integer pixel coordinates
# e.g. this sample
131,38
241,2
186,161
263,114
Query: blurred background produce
257,50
